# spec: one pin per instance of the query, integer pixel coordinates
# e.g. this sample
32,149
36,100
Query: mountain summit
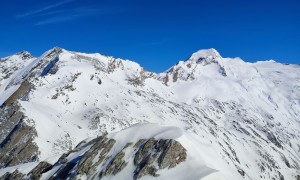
205,53
75,115
195,66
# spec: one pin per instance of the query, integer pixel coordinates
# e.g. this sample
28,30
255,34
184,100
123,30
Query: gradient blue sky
154,33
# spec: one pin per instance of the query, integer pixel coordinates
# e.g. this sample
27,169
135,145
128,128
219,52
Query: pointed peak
55,51
22,52
24,55
205,53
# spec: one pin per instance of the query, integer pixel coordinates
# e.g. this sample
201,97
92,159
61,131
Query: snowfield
236,120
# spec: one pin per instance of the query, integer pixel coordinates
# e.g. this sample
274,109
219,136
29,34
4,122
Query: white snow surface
205,53
224,111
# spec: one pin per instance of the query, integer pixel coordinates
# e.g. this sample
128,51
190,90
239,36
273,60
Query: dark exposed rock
166,153
166,80
21,93
144,150
172,155
83,164
148,170
65,171
222,71
48,64
9,118
24,55
16,136
37,172
149,156
19,146
11,176
115,166
241,172
136,81
102,146
281,177
54,52
286,161
175,75
87,163
113,64
274,140
139,143
189,65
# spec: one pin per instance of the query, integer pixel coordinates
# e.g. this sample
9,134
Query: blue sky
154,33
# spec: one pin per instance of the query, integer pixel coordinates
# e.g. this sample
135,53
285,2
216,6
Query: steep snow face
246,113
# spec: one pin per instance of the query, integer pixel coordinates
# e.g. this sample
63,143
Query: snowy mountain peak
206,62
24,55
213,117
205,53
53,52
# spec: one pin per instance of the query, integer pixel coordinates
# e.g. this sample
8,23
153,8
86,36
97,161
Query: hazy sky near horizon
155,33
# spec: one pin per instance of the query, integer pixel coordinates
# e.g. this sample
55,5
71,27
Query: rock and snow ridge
152,151
236,120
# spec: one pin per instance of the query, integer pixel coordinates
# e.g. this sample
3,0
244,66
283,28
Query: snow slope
241,119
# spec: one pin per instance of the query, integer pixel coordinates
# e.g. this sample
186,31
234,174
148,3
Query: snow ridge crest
205,53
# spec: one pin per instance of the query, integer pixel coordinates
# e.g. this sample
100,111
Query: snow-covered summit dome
205,53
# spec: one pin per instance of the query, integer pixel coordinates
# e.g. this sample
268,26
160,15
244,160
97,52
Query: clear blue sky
154,33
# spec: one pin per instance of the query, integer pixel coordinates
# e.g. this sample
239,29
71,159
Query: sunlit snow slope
240,120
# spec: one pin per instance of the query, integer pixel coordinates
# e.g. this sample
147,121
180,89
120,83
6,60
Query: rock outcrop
96,159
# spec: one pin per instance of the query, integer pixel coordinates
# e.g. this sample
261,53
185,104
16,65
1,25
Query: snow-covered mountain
75,115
